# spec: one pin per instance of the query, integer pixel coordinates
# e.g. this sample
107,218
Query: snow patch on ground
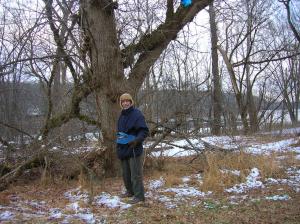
155,184
293,179
76,194
284,197
105,199
279,146
187,192
251,183
6,215
233,172
180,148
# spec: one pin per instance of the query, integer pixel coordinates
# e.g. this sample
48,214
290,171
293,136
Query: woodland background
213,68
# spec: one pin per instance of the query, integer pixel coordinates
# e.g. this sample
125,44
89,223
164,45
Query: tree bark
251,107
107,71
216,91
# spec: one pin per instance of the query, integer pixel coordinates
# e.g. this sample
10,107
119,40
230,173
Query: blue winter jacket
132,122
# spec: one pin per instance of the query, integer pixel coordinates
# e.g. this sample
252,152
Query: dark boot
136,201
126,195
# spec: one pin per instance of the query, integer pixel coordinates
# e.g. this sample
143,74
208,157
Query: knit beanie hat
126,96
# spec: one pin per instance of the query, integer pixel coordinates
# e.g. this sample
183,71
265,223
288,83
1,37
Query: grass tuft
218,175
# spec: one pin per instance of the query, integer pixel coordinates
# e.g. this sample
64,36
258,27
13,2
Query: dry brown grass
4,198
290,160
211,168
171,179
172,171
263,139
216,180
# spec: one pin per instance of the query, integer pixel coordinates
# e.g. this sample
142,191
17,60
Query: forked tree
106,61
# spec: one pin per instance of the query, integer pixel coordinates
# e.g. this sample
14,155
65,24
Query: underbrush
218,169
221,170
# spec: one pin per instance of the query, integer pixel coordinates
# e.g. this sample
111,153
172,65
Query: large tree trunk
216,91
251,107
108,113
106,66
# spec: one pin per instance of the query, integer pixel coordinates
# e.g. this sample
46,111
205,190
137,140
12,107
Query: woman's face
126,104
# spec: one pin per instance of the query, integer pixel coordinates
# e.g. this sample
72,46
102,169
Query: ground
233,187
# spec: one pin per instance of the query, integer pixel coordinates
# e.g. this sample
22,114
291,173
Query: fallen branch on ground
35,161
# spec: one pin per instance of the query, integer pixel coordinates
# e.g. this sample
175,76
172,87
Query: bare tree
288,82
293,11
105,75
216,90
244,35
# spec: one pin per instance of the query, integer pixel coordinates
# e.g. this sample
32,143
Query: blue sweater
132,121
